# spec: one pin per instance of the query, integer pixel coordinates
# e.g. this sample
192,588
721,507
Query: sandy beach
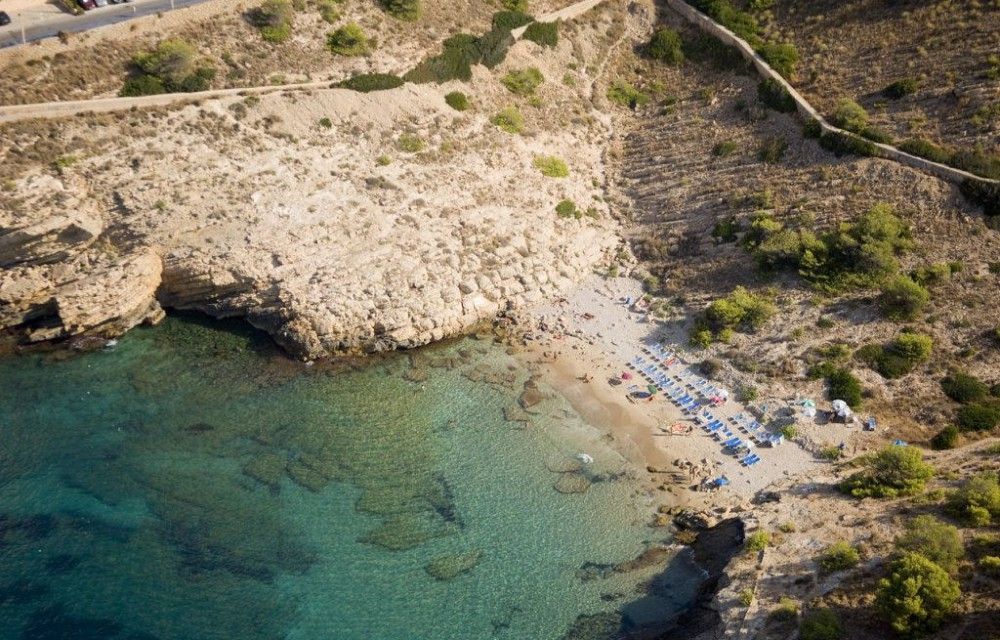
586,340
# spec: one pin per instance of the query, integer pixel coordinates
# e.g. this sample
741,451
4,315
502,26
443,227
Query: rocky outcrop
51,240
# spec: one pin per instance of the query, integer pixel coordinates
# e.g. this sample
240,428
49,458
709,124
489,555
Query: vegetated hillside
232,39
728,192
923,69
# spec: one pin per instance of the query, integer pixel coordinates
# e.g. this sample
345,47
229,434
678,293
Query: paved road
46,24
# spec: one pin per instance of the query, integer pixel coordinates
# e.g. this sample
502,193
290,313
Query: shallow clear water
193,483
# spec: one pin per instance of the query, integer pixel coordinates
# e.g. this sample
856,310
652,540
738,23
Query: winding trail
69,108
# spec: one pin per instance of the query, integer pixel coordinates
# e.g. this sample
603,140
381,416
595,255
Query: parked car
4,18
101,3
87,4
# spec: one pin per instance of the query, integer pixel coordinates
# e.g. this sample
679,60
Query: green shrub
783,57
774,95
515,5
410,143
902,298
545,34
173,65
348,40
978,162
926,149
902,88
831,453
328,10
787,609
626,95
741,309
838,557
979,417
757,541
961,387
457,100
916,595
900,356
893,471
458,54
850,115
820,624
946,438
932,274
567,209
843,385
326,123
509,119
772,149
725,230
369,82
711,51
843,144
523,82
724,148
935,540
990,565
789,431
510,20
746,597
402,9
274,20
551,166
666,46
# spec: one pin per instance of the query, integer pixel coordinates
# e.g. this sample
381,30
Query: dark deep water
192,483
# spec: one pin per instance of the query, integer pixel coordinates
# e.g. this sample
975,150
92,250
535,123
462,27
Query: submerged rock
572,483
267,468
563,465
406,531
453,565
306,477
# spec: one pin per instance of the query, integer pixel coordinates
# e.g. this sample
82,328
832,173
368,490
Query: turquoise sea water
192,483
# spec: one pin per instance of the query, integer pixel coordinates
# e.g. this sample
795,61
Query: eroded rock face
331,239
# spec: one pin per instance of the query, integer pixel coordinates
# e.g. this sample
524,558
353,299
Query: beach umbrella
839,406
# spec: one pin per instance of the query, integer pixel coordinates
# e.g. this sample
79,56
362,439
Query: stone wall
806,110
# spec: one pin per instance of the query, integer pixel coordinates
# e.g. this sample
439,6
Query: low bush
850,115
742,309
369,82
626,95
551,166
787,609
774,95
458,54
900,356
844,385
889,473
509,119
724,148
402,9
757,541
946,438
902,88
781,56
916,595
523,82
410,143
902,298
978,162
545,34
932,274
328,10
831,453
567,209
926,149
820,624
935,540
843,144
509,20
838,557
962,387
666,46
273,19
979,417
789,431
711,51
348,40
982,194
172,66
725,230
977,501
990,565
457,100
772,149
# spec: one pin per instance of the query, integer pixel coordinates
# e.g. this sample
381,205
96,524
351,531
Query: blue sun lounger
751,460
732,443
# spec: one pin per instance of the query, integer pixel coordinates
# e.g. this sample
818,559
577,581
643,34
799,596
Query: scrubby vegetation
402,9
274,20
902,88
666,46
935,540
348,40
946,438
858,255
916,595
509,119
900,356
545,34
757,541
371,82
567,209
820,624
772,149
838,557
979,417
977,501
460,52
627,95
902,299
523,82
774,95
457,100
962,387
851,116
893,471
783,57
173,66
551,166
741,310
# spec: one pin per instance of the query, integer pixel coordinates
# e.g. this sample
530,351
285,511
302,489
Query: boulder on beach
453,565
572,483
